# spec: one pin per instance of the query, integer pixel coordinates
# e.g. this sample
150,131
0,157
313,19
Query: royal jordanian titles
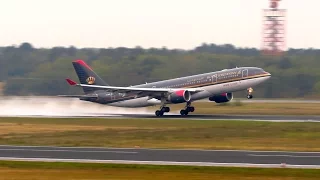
216,86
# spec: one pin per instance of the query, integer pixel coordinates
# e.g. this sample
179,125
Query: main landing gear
162,110
183,112
249,93
188,108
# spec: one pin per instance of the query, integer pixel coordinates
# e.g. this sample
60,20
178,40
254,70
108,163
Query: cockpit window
256,71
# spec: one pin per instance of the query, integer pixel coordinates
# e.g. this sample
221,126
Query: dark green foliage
30,71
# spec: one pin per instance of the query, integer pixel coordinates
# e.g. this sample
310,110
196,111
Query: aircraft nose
267,73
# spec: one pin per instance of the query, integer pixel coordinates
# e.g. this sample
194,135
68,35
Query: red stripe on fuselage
81,62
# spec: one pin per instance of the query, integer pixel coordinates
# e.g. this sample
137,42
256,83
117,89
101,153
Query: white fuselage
208,92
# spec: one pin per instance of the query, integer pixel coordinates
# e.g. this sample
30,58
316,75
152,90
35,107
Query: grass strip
57,170
160,133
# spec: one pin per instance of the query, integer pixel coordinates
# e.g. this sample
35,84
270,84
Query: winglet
71,82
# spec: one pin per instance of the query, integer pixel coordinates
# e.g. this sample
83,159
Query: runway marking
233,119
159,149
61,150
162,163
282,155
207,117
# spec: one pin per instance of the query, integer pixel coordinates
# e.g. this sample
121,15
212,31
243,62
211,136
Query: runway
271,118
162,156
235,117
268,118
43,107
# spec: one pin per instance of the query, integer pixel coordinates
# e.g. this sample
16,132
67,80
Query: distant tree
285,63
28,70
26,47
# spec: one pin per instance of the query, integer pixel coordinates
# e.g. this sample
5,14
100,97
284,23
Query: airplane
215,86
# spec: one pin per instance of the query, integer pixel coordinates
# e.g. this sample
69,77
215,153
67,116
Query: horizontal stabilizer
71,82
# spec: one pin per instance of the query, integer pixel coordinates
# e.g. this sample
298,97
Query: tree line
26,70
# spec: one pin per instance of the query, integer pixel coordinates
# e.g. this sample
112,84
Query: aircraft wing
134,89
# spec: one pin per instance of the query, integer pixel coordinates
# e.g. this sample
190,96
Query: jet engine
180,96
222,98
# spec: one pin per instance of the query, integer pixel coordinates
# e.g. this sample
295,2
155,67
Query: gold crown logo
90,80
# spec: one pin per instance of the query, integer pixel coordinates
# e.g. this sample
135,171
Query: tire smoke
55,106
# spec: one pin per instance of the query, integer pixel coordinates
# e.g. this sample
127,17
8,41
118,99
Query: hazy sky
151,23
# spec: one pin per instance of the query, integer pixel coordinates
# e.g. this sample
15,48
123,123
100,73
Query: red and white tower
274,30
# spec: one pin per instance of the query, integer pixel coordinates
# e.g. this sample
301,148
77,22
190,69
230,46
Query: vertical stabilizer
87,76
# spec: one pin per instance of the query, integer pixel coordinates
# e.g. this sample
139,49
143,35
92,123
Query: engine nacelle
180,96
222,98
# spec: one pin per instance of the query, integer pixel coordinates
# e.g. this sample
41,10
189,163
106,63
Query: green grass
53,171
161,133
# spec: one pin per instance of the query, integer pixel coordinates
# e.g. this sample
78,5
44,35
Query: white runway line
283,155
76,151
161,149
162,163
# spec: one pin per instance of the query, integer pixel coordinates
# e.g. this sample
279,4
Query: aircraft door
113,96
214,78
244,73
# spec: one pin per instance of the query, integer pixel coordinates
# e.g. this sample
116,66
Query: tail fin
87,76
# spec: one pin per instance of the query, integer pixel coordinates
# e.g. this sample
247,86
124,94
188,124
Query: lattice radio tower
274,30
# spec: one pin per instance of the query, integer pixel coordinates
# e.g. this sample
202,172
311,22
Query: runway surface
162,156
222,117
275,118
52,107
34,106
268,118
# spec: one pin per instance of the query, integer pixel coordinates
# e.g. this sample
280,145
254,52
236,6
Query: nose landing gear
249,93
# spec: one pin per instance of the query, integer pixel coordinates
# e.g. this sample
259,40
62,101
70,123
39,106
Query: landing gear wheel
165,109
159,113
184,112
249,96
190,109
